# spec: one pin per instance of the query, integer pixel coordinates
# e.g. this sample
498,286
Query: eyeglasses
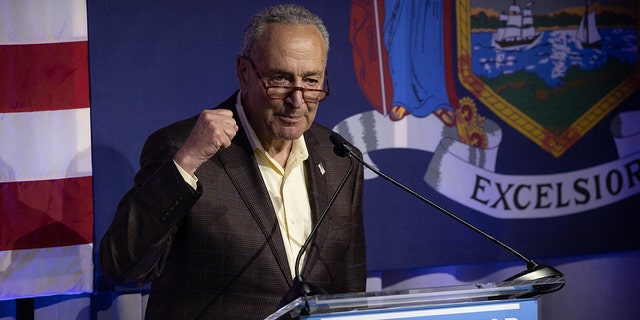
282,92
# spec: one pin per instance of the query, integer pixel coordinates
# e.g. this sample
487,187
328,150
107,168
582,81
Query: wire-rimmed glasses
282,92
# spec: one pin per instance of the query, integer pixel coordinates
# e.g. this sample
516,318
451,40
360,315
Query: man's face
285,55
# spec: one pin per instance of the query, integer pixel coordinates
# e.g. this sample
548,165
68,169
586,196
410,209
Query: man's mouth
289,119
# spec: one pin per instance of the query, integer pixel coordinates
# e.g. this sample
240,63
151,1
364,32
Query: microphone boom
300,287
534,271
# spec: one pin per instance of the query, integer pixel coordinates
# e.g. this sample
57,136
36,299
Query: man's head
283,46
285,14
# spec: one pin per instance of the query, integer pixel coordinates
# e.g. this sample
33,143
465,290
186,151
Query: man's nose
296,98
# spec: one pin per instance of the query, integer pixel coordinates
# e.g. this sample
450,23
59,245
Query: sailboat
518,31
587,33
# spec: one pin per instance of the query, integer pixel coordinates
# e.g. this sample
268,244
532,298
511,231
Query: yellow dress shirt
287,188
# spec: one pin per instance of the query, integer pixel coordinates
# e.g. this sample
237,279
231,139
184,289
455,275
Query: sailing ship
587,33
518,31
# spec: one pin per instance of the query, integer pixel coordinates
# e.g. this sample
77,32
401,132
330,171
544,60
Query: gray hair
284,13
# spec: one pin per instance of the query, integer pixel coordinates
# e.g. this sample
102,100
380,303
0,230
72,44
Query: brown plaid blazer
217,252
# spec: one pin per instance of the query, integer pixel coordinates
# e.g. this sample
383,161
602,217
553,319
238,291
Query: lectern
506,300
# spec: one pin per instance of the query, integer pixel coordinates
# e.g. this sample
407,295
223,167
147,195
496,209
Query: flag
46,198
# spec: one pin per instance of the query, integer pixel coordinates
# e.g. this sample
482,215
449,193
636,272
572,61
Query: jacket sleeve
136,244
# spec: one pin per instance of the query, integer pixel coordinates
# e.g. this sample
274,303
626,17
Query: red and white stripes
46,198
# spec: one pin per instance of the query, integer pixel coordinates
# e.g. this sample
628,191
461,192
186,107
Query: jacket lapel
319,197
240,165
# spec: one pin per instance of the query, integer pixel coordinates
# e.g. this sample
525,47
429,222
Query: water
556,51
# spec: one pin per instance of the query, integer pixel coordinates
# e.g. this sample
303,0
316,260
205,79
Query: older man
224,201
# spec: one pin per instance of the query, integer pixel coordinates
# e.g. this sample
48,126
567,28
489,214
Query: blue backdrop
156,62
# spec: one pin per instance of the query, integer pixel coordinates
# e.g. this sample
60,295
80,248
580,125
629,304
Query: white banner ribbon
467,174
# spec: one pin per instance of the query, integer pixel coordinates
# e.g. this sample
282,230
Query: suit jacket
217,252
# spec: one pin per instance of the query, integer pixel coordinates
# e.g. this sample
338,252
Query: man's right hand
212,132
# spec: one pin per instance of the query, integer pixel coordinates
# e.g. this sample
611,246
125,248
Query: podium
506,300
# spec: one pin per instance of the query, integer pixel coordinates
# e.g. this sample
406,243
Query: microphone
300,287
534,271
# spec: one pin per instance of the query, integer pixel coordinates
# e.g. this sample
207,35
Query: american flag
46,198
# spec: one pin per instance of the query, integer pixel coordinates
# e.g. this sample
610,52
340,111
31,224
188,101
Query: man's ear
241,71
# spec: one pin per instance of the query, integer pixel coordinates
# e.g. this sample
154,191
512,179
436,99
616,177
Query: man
224,201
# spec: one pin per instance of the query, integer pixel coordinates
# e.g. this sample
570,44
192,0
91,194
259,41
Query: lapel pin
321,167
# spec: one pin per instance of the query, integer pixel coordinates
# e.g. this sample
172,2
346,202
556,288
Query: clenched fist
212,132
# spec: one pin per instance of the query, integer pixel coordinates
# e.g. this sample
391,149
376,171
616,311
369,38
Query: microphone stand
300,287
534,271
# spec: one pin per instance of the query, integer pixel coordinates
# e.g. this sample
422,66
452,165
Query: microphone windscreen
337,139
340,146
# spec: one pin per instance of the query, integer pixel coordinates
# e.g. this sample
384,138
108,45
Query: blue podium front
511,300
525,309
